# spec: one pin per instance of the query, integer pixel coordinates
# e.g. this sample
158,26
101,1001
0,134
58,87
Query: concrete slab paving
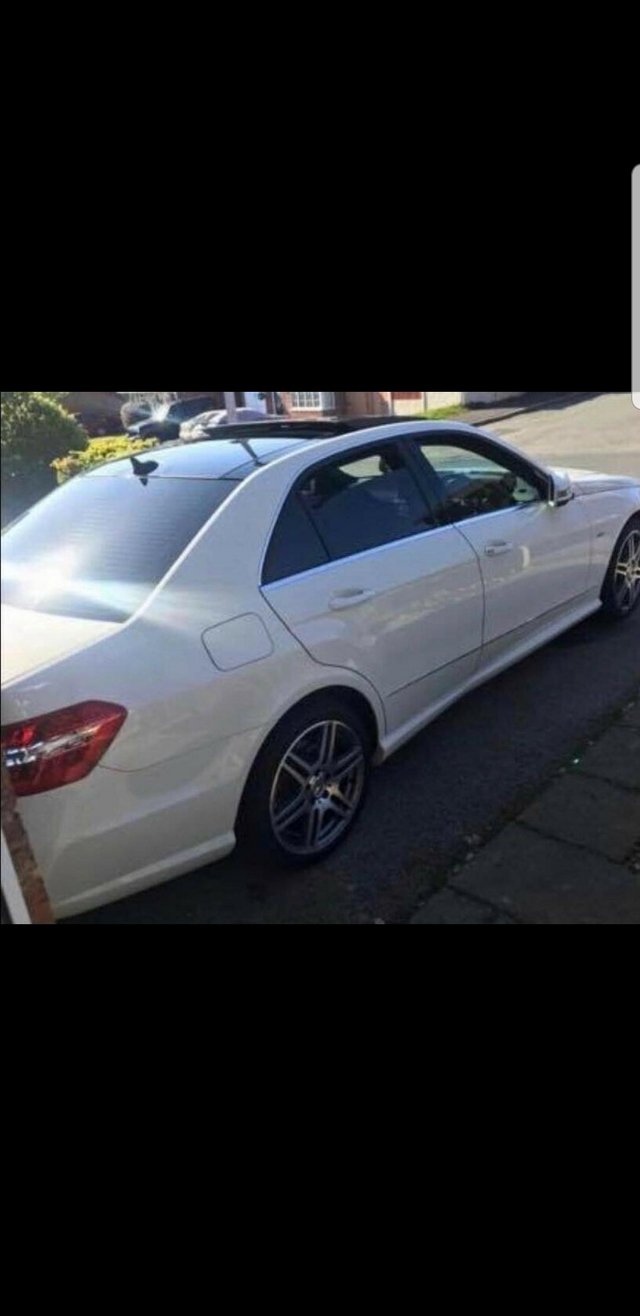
588,812
616,757
449,907
538,880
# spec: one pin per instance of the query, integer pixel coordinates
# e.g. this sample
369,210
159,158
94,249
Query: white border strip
11,888
635,281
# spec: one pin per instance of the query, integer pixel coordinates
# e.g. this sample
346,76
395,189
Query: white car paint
29,645
422,611
212,661
533,561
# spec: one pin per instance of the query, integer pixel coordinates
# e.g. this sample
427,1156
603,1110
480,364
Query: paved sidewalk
572,857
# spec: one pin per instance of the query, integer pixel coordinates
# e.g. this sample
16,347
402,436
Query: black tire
620,604
265,794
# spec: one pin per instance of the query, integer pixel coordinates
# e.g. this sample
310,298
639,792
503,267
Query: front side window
471,484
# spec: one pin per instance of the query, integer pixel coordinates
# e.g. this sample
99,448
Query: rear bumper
116,833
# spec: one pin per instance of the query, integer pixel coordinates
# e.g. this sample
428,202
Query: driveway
466,774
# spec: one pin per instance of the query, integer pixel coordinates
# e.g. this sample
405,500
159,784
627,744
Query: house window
306,401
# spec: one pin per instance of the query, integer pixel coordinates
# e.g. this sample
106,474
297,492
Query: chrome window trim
499,511
396,543
412,441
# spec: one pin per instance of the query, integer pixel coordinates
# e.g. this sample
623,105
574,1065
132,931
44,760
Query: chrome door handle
350,598
497,547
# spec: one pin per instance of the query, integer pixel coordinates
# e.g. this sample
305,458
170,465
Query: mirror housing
561,490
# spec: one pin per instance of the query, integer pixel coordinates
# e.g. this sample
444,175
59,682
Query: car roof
230,452
238,451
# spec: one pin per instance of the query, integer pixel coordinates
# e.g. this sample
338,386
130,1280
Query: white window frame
312,401
306,401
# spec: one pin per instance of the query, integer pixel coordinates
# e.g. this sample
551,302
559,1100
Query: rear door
361,571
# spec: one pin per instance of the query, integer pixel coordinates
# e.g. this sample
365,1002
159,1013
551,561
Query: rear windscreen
96,548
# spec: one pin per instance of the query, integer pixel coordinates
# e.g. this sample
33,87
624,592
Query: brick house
380,404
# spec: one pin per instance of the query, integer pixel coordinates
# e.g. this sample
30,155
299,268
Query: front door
535,559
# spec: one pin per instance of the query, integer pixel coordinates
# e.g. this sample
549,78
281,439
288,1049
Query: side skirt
486,671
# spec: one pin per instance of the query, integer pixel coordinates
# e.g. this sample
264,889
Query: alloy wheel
626,576
317,788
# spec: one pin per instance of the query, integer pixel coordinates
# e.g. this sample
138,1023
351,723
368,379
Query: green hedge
35,431
98,452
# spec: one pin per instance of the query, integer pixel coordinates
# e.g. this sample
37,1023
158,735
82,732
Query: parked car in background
164,423
201,426
273,616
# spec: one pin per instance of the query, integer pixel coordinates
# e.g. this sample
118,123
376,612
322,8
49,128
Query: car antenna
143,469
246,444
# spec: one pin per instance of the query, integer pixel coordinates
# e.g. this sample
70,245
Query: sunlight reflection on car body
52,578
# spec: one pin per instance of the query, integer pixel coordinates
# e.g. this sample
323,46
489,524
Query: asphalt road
468,772
599,434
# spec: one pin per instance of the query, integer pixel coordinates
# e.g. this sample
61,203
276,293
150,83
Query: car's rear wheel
308,784
621,593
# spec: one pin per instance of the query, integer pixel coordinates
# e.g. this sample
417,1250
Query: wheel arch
369,709
350,695
633,518
632,524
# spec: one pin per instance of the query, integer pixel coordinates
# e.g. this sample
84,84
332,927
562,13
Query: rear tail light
58,748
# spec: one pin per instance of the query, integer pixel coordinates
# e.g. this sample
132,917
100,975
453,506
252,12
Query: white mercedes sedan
215,642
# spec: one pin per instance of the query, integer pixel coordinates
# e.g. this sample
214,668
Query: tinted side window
295,545
472,484
364,501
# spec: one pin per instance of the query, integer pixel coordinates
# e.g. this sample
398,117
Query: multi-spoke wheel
317,788
621,593
309,783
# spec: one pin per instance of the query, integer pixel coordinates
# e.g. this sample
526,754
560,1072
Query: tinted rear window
96,548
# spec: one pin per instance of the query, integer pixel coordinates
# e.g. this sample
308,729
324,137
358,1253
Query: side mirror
561,490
